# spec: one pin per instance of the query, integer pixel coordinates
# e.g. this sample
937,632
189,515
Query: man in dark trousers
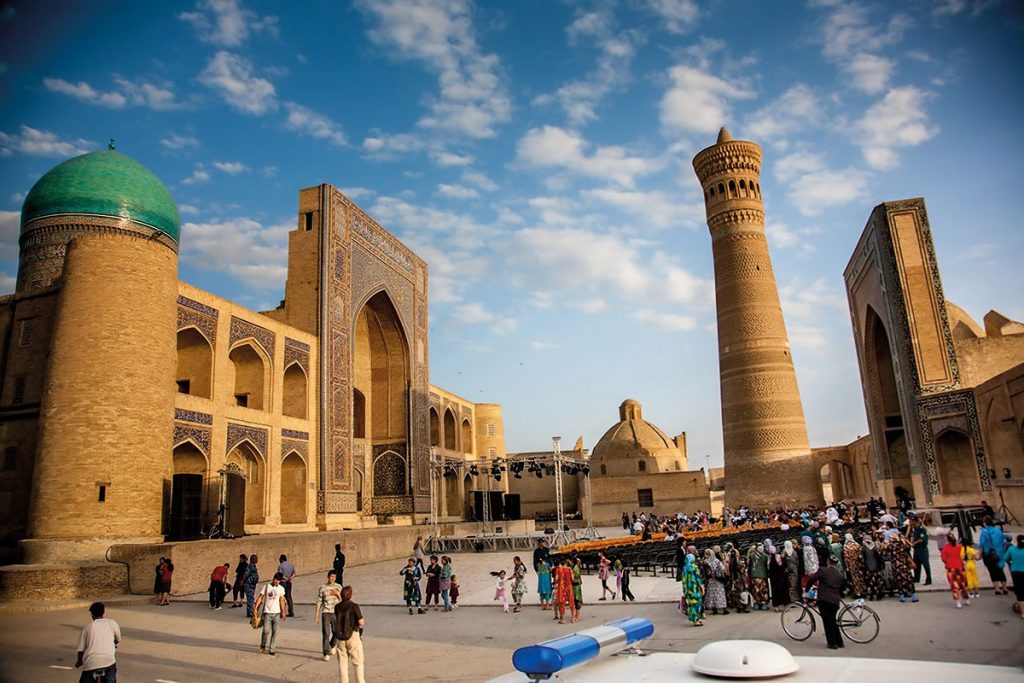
919,539
829,582
541,552
339,564
626,593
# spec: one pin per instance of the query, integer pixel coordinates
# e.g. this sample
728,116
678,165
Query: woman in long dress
737,570
874,568
411,585
791,563
518,583
777,579
691,601
563,590
757,565
810,560
902,567
714,593
544,584
853,558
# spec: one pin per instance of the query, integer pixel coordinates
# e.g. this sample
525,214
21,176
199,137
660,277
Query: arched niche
467,437
954,458
250,376
294,400
381,368
194,373
252,467
293,489
450,433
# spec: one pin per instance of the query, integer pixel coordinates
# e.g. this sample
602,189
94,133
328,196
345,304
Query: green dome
105,183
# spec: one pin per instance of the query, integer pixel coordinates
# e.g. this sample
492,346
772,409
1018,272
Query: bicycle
856,620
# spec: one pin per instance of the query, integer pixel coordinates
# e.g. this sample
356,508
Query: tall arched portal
250,463
381,373
958,471
883,396
293,489
450,433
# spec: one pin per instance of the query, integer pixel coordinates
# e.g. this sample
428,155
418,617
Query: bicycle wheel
798,621
859,623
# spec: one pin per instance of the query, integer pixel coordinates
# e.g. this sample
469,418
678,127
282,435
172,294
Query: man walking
348,629
339,564
96,647
272,600
287,570
327,599
830,582
218,585
919,539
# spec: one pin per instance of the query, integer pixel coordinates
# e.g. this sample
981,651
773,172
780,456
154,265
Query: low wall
49,582
310,553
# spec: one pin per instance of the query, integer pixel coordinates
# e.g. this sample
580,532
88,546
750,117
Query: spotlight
1007,474
539,474
497,477
586,470
517,475
473,470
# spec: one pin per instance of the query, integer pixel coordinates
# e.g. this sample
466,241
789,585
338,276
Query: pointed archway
293,489
883,397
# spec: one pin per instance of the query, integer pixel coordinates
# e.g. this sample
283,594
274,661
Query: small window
102,496
492,452
645,498
604,470
10,457
19,390
184,386
27,332
242,400
732,188
307,220
721,189
490,429
677,466
642,465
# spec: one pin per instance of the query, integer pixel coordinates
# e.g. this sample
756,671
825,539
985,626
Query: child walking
499,591
952,557
970,554
411,585
454,593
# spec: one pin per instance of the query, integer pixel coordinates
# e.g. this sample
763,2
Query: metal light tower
560,535
435,472
588,504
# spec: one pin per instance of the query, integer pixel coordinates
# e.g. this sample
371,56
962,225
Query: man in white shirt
96,647
272,602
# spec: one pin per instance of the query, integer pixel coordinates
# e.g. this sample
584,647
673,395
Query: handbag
256,620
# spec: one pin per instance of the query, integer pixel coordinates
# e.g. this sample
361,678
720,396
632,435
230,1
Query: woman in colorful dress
791,563
518,583
411,585
692,599
603,567
874,568
617,568
902,567
810,559
544,583
953,559
736,568
577,588
853,558
757,566
563,590
714,591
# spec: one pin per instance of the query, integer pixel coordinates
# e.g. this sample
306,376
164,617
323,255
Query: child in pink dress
499,591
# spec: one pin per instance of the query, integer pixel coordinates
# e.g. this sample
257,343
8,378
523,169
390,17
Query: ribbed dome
635,445
105,183
635,435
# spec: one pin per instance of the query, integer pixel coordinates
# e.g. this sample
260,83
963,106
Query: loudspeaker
186,507
497,505
512,506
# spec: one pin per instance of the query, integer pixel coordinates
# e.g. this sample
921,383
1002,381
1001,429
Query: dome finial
111,146
724,136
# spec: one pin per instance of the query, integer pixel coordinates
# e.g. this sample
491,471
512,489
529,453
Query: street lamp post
435,472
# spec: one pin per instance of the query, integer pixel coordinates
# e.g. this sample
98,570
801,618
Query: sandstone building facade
765,438
135,407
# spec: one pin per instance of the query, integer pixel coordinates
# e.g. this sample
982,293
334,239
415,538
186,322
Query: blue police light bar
541,660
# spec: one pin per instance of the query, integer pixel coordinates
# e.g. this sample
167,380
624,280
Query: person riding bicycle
830,583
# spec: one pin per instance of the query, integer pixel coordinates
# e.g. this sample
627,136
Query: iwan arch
138,408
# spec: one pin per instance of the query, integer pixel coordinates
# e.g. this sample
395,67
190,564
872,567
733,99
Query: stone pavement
188,642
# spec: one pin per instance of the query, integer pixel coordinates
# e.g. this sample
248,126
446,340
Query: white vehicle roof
661,667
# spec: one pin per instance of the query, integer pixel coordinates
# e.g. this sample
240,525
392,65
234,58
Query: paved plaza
189,642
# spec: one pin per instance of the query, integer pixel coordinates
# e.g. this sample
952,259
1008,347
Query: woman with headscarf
810,558
691,601
777,580
737,570
902,567
853,559
821,548
714,593
757,566
791,563
835,550
874,568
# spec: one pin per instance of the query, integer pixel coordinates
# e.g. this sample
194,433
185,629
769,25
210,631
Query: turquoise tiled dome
105,183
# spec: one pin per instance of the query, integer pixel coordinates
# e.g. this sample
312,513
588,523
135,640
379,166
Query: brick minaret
767,456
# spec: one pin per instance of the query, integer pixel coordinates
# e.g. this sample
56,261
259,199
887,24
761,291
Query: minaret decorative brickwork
767,456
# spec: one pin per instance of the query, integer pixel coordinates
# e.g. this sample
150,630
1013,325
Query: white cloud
232,78
811,301
199,175
231,167
226,22
780,236
480,180
847,32
811,338
553,147
308,122
897,120
579,98
667,322
505,326
457,191
677,16
792,112
591,305
699,101
538,345
177,142
241,248
357,192
443,158
655,207
7,282
472,99
10,232
476,314
870,73
129,93
42,143
385,146
814,186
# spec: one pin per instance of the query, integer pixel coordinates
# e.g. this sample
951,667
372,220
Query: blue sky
537,155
